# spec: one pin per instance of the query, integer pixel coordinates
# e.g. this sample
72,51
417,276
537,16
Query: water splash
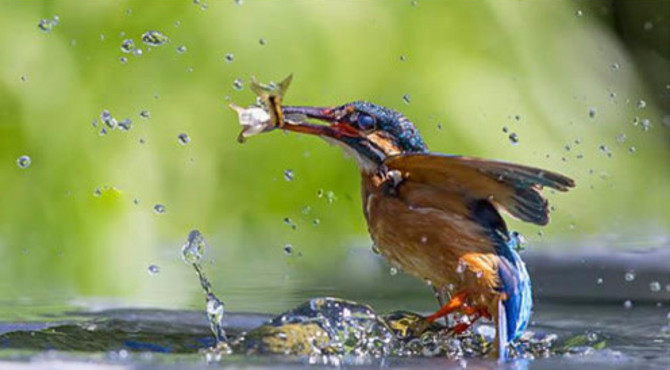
192,252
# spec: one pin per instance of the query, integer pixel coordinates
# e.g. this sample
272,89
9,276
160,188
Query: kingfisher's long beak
296,120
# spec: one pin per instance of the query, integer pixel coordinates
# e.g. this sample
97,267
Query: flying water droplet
460,268
632,150
403,58
262,41
393,271
159,209
330,197
621,138
407,99
599,281
290,223
641,104
123,60
655,286
183,139
145,114
194,247
126,124
615,66
646,124
605,150
288,175
316,222
579,13
628,304
513,138
505,129
592,112
127,46
23,161
288,249
629,276
154,38
238,84
46,25
229,57
97,192
153,269
181,49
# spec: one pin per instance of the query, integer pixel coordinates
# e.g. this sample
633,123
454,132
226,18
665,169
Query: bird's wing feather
514,188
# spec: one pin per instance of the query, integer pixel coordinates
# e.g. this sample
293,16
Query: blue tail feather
515,283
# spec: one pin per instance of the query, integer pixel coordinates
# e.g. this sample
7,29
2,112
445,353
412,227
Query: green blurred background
566,77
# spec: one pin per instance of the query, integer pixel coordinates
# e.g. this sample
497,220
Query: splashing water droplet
127,46
505,129
153,269
288,249
628,304
641,104
159,209
316,222
238,84
592,112
403,58
460,268
288,175
629,276
579,13
599,281
621,138
194,247
632,150
229,57
289,222
646,124
183,139
393,271
145,114
407,99
615,66
97,192
239,2
154,38
513,138
262,41
655,286
181,49
123,60
330,197
125,125
46,25
605,150
23,161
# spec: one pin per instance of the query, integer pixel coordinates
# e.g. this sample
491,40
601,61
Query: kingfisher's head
369,132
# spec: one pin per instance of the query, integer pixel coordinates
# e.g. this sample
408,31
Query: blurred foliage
470,69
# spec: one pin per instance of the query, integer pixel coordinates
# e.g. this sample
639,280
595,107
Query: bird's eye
365,122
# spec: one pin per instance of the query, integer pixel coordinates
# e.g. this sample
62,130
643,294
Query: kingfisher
438,216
